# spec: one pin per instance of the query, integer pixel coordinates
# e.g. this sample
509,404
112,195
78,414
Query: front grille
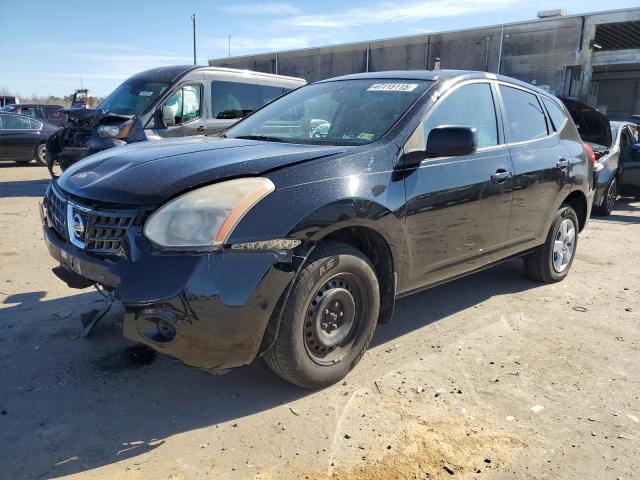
106,230
57,211
95,230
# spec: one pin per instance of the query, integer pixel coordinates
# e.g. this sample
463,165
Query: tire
543,265
608,200
314,347
40,155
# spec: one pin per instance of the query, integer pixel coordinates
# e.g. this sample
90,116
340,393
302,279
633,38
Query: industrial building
594,56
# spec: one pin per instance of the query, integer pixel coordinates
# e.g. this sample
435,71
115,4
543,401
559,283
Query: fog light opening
157,326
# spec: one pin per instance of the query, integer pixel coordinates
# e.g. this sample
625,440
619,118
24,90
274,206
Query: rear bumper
217,304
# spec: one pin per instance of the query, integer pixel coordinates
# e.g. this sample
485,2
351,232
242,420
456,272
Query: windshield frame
336,142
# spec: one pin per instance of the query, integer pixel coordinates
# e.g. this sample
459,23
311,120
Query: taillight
590,154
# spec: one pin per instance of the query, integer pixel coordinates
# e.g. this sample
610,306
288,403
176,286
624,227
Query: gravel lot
491,376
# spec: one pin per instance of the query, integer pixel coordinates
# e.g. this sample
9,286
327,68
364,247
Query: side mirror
452,141
164,117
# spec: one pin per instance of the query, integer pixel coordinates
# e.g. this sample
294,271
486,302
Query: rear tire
328,319
40,155
609,200
551,262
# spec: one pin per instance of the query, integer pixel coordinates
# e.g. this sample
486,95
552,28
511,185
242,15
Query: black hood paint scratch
152,172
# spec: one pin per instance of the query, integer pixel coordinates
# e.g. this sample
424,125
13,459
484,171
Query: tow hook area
91,318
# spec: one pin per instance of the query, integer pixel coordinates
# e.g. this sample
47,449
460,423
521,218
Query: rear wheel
329,318
551,262
609,200
40,155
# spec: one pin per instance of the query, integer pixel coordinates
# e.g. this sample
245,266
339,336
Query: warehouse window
617,36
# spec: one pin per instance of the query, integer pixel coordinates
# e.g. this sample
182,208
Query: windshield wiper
260,137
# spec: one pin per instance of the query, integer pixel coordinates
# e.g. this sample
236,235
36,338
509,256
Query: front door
186,105
19,137
458,208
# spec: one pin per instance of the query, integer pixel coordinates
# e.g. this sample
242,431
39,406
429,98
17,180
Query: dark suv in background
292,242
46,113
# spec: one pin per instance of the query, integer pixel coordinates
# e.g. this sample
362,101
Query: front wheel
609,200
551,262
40,155
328,319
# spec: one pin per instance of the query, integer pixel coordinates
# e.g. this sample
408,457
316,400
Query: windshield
347,112
133,97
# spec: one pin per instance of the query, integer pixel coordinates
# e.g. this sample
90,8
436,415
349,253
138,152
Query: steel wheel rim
564,245
612,195
328,345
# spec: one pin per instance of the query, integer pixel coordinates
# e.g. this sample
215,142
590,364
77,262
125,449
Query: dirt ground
491,376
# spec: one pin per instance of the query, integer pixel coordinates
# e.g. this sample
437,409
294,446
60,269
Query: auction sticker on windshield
392,87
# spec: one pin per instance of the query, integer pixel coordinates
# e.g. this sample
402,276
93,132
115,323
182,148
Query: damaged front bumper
207,310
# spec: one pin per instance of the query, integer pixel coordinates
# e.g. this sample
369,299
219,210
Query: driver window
185,103
471,106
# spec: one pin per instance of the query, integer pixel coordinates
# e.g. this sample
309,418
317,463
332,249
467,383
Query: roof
435,75
172,73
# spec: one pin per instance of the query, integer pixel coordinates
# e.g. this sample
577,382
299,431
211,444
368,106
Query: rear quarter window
555,113
525,119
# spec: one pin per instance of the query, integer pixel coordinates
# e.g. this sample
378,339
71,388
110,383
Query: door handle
562,163
200,128
500,176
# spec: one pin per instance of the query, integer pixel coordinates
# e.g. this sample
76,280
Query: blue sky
49,45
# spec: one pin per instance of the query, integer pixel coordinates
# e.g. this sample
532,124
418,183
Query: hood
593,126
149,173
90,115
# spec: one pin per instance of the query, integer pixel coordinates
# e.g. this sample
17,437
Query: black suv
292,237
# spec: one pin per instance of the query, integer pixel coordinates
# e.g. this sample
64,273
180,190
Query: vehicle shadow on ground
622,205
24,188
70,404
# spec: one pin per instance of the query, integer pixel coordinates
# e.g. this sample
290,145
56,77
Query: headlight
109,131
204,218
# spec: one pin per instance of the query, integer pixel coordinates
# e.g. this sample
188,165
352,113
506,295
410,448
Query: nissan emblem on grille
78,226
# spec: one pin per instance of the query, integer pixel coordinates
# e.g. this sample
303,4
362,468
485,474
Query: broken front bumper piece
209,310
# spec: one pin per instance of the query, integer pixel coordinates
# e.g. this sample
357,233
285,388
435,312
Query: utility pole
193,21
229,45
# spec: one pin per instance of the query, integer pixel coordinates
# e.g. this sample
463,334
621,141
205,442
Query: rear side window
233,100
555,112
268,93
455,110
525,119
17,123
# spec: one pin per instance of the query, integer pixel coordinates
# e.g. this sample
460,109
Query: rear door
630,157
540,160
458,207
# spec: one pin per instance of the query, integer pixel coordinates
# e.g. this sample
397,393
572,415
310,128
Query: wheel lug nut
324,325
326,311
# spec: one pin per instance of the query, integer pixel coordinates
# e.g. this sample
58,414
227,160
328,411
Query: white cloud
261,9
395,12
